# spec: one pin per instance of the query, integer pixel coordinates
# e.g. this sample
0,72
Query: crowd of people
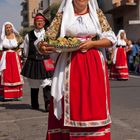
79,108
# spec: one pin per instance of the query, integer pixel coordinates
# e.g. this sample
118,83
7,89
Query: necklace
77,14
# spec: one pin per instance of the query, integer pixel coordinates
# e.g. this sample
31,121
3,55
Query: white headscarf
68,15
3,29
2,35
119,40
119,33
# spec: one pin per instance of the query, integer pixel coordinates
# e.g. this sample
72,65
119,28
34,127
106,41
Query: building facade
124,14
29,10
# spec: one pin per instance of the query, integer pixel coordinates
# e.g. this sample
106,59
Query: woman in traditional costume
80,105
10,63
119,68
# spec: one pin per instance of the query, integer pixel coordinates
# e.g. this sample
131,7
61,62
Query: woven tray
66,48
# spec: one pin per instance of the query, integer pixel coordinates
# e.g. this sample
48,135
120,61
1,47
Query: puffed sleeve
25,45
1,46
106,29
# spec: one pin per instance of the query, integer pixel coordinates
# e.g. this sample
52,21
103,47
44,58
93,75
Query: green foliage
24,31
53,10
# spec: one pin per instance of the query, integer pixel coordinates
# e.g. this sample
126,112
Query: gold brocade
103,21
54,29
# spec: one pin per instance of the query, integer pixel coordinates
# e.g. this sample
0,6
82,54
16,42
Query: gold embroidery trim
54,29
103,21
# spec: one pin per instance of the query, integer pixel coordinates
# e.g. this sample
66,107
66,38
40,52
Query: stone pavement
19,122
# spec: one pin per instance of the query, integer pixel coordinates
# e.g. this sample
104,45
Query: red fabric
87,99
49,65
121,59
117,70
39,17
14,92
86,94
64,132
11,75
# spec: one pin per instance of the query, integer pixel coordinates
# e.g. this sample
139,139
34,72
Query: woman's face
80,4
122,35
8,29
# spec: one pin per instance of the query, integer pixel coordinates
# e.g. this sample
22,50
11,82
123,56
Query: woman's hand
86,45
44,48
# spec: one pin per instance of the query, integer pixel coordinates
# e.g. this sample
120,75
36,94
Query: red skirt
119,70
11,80
86,103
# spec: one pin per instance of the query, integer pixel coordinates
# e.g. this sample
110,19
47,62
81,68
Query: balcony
117,3
121,5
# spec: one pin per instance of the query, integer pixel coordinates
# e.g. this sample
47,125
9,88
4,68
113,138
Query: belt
121,46
6,49
88,37
38,57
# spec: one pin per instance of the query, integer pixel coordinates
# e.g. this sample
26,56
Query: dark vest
33,53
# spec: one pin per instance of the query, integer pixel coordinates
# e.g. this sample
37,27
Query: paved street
125,109
19,122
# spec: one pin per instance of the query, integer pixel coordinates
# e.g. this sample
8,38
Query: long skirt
11,80
86,103
119,70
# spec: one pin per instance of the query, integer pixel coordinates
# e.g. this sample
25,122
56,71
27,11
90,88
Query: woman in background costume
10,63
119,68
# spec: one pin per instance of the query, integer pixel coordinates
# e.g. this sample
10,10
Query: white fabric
3,29
81,26
37,83
3,62
119,33
2,36
40,34
9,43
121,42
114,57
58,83
67,9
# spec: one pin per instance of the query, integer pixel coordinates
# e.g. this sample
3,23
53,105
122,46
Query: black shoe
35,107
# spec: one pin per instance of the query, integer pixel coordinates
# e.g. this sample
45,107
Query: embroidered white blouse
9,43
